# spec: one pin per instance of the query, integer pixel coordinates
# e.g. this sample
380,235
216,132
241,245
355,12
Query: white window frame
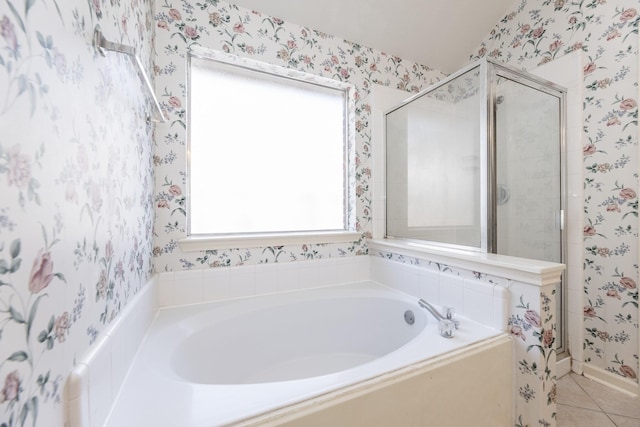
200,242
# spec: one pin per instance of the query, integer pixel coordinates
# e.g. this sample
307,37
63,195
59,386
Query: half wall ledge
532,272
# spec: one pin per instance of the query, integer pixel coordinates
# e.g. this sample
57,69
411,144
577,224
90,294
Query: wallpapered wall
225,27
76,183
530,35
534,33
76,171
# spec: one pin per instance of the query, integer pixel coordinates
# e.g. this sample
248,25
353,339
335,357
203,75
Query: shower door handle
561,219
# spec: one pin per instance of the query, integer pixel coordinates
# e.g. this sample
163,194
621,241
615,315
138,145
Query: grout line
596,403
587,410
623,416
612,422
587,393
607,414
582,407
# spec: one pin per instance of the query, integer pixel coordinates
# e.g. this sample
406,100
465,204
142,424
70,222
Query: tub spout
435,313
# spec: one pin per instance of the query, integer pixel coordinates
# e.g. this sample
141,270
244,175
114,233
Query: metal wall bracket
103,45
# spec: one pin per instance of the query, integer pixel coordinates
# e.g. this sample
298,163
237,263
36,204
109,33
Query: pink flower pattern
76,204
11,389
41,272
610,129
76,179
8,33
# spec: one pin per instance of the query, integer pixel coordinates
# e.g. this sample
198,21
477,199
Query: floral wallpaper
536,32
76,176
213,24
533,326
77,166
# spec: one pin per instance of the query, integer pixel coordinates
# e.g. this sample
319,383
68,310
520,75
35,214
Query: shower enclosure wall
476,161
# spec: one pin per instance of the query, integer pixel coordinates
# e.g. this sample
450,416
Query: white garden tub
244,360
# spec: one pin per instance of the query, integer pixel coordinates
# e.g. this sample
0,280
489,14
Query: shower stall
476,162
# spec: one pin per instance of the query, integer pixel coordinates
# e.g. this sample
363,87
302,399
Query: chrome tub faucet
446,322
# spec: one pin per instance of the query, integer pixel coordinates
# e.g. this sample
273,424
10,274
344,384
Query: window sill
204,243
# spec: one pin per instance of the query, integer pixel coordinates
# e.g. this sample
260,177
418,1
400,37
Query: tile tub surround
94,383
174,368
516,294
196,286
488,299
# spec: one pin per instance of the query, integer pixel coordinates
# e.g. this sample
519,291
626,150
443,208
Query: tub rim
139,381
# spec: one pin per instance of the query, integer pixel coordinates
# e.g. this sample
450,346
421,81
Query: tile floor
586,403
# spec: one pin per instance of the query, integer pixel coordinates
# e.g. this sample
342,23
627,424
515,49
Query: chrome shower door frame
489,72
526,79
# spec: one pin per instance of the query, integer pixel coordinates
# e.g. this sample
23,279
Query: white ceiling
437,33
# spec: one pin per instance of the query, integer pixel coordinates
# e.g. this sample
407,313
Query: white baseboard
563,367
611,380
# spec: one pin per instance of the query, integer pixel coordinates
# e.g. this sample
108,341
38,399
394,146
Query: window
269,151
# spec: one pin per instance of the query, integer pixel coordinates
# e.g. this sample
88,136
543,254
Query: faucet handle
447,328
449,313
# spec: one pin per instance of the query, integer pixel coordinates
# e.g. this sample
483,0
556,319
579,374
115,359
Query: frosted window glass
267,153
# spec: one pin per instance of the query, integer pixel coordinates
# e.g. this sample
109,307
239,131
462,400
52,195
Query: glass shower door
528,123
475,162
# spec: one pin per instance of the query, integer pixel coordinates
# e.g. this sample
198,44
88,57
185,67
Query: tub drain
409,317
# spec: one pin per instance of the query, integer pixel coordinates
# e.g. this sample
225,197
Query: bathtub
297,358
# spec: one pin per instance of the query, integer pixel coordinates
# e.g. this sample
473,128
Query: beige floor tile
570,416
609,400
621,421
570,393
